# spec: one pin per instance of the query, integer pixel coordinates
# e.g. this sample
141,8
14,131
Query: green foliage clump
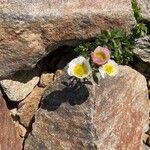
119,43
85,49
140,30
136,11
116,41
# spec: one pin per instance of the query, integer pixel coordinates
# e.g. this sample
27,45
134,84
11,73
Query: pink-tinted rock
31,29
77,116
28,107
9,139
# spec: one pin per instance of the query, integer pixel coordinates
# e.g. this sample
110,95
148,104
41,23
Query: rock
9,139
20,85
21,130
30,30
14,112
45,79
142,48
75,115
145,147
28,107
145,8
59,73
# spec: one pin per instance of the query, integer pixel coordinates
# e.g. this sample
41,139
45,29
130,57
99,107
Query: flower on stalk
79,67
100,55
111,68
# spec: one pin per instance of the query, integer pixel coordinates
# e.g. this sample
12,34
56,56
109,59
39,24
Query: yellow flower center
108,68
100,55
79,70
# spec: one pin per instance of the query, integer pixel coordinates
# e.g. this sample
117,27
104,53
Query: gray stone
20,85
142,48
83,116
145,8
145,147
31,29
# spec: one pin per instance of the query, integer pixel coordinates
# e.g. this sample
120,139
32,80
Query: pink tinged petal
97,49
97,60
92,54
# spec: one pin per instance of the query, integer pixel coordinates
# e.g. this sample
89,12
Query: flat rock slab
145,8
31,29
81,116
9,139
20,85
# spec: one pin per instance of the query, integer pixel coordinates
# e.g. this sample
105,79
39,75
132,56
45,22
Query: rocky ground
41,108
70,115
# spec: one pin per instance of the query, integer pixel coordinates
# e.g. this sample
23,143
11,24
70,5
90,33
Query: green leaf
95,78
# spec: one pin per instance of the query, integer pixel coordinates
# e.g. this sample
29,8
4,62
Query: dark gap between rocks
57,59
147,23
29,130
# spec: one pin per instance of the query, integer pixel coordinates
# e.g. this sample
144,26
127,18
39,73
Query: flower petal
69,72
102,72
111,68
79,67
100,55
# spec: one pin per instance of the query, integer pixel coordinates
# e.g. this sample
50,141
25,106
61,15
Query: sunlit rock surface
75,115
30,29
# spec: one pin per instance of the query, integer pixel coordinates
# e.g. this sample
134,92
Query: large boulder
76,115
9,138
29,30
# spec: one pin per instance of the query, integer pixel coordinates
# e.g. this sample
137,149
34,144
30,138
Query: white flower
111,68
79,67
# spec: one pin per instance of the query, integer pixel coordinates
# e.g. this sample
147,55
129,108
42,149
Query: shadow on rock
75,93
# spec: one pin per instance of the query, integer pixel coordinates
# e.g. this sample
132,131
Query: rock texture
145,8
31,29
145,147
20,85
142,48
45,79
28,107
9,140
21,130
75,115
